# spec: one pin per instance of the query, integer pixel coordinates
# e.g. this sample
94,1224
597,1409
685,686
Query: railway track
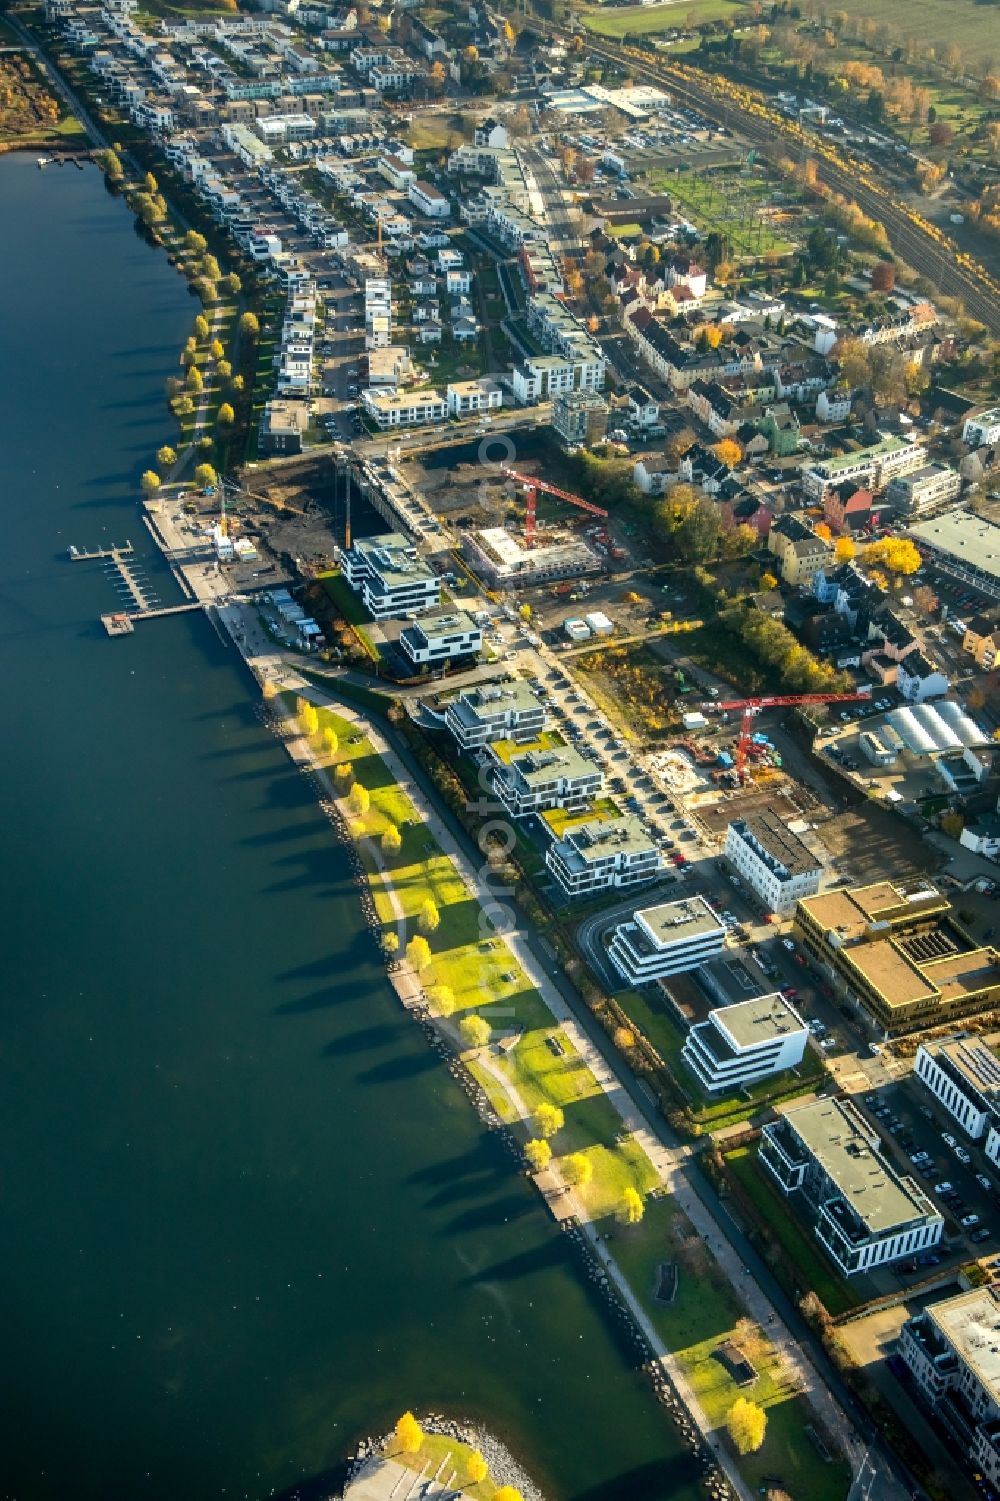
936,259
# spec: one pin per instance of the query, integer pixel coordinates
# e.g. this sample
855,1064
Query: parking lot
911,1122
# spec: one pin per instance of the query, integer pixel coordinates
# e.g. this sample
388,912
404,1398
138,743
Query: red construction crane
532,485
751,707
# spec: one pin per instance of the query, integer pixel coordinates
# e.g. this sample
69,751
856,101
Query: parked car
949,1140
983,1181
962,1155
983,1233
968,1221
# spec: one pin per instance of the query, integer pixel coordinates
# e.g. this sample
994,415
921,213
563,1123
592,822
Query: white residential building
531,778
778,867
441,637
930,485
602,854
466,397
872,467
427,200
864,1214
666,940
982,430
404,409
952,1351
964,1075
390,576
742,1044
494,711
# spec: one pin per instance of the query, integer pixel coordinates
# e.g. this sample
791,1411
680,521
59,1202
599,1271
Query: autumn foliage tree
728,452
630,1208
883,276
539,1154
409,1434
475,1030
747,1424
548,1119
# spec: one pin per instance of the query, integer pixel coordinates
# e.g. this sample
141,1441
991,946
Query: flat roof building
491,711
775,863
963,545
963,1074
390,576
863,1213
666,940
531,778
952,1351
742,1044
441,637
501,558
603,853
900,953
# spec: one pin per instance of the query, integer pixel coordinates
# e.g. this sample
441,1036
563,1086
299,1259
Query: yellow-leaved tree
409,1434
747,1424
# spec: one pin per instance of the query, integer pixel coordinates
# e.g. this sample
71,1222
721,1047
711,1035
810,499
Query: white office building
666,940
863,1213
603,854
529,779
441,637
952,1351
390,576
494,711
777,866
963,1075
983,429
741,1044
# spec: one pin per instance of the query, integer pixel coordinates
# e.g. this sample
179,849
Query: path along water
247,1216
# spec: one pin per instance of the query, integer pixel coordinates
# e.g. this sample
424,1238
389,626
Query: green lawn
436,1448
959,21
706,1312
644,20
815,1272
483,976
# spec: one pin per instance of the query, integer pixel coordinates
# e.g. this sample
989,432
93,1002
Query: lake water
247,1216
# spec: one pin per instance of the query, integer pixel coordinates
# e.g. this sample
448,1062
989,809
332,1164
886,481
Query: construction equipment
532,486
749,708
231,488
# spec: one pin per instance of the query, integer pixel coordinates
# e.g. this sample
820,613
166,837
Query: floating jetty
143,604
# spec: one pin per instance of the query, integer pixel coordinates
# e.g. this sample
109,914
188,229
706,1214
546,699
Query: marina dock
139,600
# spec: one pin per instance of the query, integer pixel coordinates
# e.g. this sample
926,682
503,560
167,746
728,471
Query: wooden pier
144,605
90,555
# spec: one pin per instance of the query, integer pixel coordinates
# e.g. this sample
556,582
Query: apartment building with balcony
742,1044
666,940
602,854
494,711
390,576
863,1213
529,779
952,1351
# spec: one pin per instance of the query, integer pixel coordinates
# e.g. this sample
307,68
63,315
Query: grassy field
704,1314
816,1273
484,977
964,22
435,1448
646,20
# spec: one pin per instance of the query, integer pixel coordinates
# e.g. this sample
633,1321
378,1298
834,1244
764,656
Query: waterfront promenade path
671,1164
